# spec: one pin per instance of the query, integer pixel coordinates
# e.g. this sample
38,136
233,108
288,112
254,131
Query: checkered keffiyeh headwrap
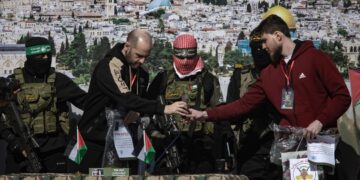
185,41
186,67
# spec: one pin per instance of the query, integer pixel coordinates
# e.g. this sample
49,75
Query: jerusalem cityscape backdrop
83,30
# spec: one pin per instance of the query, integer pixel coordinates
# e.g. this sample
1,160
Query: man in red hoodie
302,83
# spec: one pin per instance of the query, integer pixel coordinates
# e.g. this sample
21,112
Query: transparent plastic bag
286,139
114,119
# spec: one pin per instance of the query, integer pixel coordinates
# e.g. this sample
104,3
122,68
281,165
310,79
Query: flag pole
144,137
142,165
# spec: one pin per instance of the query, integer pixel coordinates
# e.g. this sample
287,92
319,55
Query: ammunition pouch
37,103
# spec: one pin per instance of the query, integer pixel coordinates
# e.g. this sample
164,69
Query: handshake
181,108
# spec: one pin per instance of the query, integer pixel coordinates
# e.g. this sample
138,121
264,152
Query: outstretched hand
178,107
197,115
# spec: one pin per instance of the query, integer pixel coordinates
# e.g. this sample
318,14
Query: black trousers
349,166
3,146
52,161
254,160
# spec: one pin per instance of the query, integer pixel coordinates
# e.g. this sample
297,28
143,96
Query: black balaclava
260,56
36,46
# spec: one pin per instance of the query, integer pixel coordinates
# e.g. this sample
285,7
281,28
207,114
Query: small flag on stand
78,151
144,150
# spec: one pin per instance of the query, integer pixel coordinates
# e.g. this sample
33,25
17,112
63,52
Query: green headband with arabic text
39,49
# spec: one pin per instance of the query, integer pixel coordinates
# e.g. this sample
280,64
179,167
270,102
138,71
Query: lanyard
132,78
287,75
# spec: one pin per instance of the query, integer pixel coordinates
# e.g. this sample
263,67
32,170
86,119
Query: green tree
211,62
98,51
83,79
342,32
52,44
31,16
158,13
87,25
161,25
62,48
28,36
236,57
80,29
79,45
81,69
248,8
21,40
10,16
120,21
66,43
346,3
335,51
221,2
75,57
206,1
160,56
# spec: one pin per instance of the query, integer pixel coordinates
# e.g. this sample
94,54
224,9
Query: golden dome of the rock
283,13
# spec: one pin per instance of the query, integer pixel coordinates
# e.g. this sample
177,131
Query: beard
276,56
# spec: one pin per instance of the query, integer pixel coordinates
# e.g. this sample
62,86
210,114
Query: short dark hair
274,23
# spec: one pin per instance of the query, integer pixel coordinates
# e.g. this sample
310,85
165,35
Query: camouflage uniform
42,104
200,143
197,142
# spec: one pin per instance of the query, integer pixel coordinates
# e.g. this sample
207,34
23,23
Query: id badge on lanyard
287,98
287,94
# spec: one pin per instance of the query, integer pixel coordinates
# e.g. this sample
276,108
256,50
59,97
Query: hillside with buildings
219,29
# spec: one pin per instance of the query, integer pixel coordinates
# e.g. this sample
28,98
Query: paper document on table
321,150
123,142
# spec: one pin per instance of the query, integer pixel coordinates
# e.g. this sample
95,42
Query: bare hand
313,129
178,107
197,115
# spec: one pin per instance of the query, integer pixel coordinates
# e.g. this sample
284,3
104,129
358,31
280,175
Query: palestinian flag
78,151
354,76
144,150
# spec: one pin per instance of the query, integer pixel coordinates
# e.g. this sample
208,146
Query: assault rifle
27,141
167,124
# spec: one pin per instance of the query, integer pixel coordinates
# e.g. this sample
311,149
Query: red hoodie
320,92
